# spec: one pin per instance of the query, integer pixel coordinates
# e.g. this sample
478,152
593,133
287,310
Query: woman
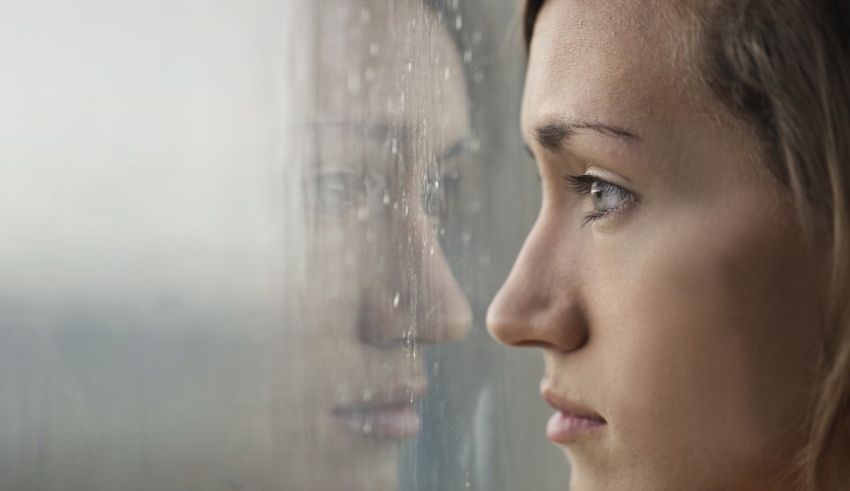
687,276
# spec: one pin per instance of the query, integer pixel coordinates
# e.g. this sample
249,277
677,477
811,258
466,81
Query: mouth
572,420
384,414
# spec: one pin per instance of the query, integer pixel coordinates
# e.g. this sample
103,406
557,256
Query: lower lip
566,428
394,421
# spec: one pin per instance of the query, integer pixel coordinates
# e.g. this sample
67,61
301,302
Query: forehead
620,61
392,65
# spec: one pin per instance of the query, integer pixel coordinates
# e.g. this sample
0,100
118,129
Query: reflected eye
339,192
437,192
605,197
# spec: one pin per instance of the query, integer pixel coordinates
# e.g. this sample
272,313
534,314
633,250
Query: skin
686,317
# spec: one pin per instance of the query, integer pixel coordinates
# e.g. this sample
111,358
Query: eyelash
583,185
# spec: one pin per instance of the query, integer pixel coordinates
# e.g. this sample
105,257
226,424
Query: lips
572,420
385,414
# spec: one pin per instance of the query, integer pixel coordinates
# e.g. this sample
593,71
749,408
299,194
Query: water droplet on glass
467,56
409,66
395,300
367,395
459,22
431,251
406,210
367,427
447,73
394,143
386,199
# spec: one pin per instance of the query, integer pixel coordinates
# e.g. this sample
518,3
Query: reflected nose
419,299
539,303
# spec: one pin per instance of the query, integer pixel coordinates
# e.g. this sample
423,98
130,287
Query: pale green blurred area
153,246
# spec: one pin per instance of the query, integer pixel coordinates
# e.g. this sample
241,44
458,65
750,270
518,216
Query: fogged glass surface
249,245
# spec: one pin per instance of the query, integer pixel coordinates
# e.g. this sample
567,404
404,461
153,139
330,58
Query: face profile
666,279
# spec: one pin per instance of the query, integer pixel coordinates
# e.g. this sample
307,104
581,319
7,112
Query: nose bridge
540,302
418,298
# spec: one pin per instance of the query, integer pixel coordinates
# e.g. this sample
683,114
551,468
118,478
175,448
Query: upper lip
565,405
398,396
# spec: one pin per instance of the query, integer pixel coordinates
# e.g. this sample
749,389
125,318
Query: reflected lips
390,414
571,421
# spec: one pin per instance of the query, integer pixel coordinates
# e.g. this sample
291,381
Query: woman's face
665,278
389,129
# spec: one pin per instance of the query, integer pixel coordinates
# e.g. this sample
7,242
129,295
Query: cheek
713,350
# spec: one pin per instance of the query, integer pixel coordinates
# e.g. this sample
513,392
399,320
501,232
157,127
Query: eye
438,190
606,198
339,192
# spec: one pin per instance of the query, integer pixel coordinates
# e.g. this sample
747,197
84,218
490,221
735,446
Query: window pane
249,245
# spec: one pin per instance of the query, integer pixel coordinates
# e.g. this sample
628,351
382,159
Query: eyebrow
551,136
381,133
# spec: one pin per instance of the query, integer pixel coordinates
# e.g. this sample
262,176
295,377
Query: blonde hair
783,66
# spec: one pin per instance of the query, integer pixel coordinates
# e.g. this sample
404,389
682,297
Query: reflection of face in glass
387,136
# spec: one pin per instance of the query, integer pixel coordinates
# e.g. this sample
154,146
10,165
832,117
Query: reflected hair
783,67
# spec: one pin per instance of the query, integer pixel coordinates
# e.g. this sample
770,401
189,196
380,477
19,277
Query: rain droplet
467,56
409,66
367,427
431,251
459,22
395,300
367,395
447,73
386,199
406,210
394,143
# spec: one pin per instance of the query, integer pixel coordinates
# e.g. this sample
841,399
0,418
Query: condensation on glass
249,246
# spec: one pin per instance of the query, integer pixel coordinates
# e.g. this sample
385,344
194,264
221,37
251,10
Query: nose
539,304
417,298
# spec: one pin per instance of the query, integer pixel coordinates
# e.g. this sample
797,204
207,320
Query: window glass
249,246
